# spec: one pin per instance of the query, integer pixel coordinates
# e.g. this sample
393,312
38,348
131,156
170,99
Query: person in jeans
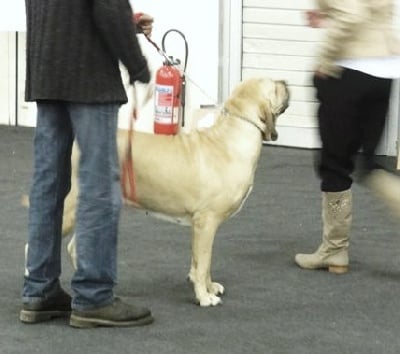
358,60
74,48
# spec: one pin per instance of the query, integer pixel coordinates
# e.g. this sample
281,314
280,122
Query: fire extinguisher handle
185,42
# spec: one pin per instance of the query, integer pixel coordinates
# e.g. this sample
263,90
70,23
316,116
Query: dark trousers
351,115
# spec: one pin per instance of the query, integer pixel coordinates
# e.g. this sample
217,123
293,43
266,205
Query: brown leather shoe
117,314
58,305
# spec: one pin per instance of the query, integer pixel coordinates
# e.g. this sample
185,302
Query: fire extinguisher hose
185,41
170,61
183,93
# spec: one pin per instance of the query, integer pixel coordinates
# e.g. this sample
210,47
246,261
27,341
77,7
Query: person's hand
319,74
144,22
315,18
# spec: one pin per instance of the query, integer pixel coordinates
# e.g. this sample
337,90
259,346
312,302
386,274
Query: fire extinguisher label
165,112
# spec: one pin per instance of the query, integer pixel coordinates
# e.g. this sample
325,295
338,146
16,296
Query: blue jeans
99,203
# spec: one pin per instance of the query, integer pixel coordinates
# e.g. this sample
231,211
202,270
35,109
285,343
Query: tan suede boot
333,251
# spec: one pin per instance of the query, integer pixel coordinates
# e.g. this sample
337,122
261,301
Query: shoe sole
86,322
330,268
27,316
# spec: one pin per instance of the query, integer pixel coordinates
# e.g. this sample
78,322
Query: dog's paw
216,289
190,277
210,300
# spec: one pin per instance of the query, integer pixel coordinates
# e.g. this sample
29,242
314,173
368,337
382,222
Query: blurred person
358,60
73,52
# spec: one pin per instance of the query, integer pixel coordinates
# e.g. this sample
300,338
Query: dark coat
74,48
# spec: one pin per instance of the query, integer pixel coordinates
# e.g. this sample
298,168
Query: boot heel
338,269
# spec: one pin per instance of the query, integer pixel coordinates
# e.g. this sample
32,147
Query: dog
199,178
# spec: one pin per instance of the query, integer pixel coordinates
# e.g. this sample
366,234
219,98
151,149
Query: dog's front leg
204,229
212,287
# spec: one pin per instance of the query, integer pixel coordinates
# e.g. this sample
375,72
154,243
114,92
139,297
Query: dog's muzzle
274,135
285,104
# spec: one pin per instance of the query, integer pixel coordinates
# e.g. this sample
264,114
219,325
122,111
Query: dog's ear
270,132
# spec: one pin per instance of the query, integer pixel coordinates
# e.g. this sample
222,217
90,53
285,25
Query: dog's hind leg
71,247
203,233
26,260
70,205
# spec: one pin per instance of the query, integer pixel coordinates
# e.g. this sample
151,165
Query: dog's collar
260,128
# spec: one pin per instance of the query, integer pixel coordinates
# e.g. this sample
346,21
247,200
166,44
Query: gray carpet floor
270,306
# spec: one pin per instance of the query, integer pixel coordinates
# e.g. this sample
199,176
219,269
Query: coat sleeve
344,16
114,21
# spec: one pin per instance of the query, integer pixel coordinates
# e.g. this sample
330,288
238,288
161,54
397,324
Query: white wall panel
281,32
7,78
277,62
276,16
294,78
26,110
270,46
280,4
278,44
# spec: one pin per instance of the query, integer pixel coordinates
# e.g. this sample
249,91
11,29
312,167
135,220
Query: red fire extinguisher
170,93
168,99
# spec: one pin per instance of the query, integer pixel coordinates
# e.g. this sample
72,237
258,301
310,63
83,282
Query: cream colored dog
200,178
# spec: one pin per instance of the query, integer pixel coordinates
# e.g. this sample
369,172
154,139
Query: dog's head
260,100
